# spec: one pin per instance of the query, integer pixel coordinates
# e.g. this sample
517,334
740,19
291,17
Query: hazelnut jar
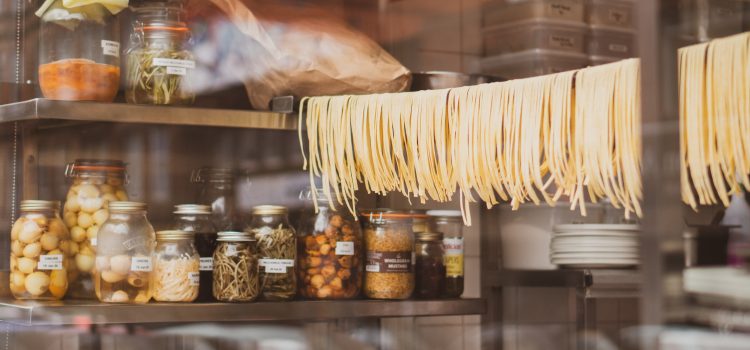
330,252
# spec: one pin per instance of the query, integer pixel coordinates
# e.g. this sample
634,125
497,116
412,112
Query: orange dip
79,80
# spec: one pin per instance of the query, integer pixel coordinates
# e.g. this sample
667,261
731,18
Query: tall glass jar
176,262
277,251
429,267
40,252
124,265
236,268
330,252
217,190
159,63
389,242
79,51
196,219
95,184
451,225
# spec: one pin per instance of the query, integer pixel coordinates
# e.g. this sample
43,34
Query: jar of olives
196,219
40,252
95,183
277,251
123,272
329,252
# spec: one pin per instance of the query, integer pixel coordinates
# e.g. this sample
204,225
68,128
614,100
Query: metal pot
442,80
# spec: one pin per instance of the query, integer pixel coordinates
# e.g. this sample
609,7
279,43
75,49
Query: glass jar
176,267
196,219
419,220
79,51
40,252
451,225
123,272
217,190
330,252
389,241
277,251
235,268
158,61
95,184
429,268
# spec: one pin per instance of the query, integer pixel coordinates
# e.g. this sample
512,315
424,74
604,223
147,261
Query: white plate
633,235
593,249
568,261
596,227
596,266
611,241
594,256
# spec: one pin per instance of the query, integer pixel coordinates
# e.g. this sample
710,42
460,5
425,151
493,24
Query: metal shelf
72,312
594,283
43,109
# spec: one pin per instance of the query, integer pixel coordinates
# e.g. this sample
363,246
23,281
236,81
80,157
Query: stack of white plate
595,246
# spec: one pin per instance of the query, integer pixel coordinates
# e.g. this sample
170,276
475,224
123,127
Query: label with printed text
50,262
389,262
276,265
170,62
206,264
344,248
194,278
110,48
454,256
141,264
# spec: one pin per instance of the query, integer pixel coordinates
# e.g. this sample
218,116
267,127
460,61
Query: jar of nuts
40,252
95,183
389,241
330,252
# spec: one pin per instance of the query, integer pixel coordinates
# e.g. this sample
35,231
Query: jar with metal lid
419,220
196,219
277,251
217,191
159,62
389,242
450,224
429,268
124,265
40,252
176,267
235,268
95,184
330,252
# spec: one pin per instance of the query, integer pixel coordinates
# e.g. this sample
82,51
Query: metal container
431,80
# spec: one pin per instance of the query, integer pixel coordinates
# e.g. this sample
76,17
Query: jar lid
418,214
40,205
126,206
192,209
429,236
95,166
173,235
375,215
269,210
235,236
445,214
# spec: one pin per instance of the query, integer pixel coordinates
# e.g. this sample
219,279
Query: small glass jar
451,225
79,52
277,251
95,184
235,268
330,252
419,220
159,62
217,190
196,219
389,241
176,267
40,252
429,268
124,264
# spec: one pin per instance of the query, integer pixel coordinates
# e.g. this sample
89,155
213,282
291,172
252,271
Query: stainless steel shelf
594,283
43,109
76,312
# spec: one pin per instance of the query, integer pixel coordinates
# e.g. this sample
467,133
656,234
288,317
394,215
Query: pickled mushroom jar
277,251
95,184
236,268
124,265
40,252
330,252
176,267
196,219
389,243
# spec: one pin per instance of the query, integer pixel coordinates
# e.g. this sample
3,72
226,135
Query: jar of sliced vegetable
277,251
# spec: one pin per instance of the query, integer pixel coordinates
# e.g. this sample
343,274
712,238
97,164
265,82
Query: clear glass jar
277,251
40,252
124,256
236,268
451,225
389,241
429,267
95,184
79,52
330,252
196,219
176,267
217,190
419,220
159,63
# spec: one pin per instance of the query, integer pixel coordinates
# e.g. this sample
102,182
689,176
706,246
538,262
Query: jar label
561,8
207,264
618,48
194,278
50,262
170,248
344,248
170,62
562,42
135,243
454,245
140,264
231,250
454,256
276,265
176,70
111,48
389,262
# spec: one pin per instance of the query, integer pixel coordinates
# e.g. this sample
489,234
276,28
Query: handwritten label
170,62
344,248
50,262
206,264
194,278
276,265
140,264
562,42
110,48
176,71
